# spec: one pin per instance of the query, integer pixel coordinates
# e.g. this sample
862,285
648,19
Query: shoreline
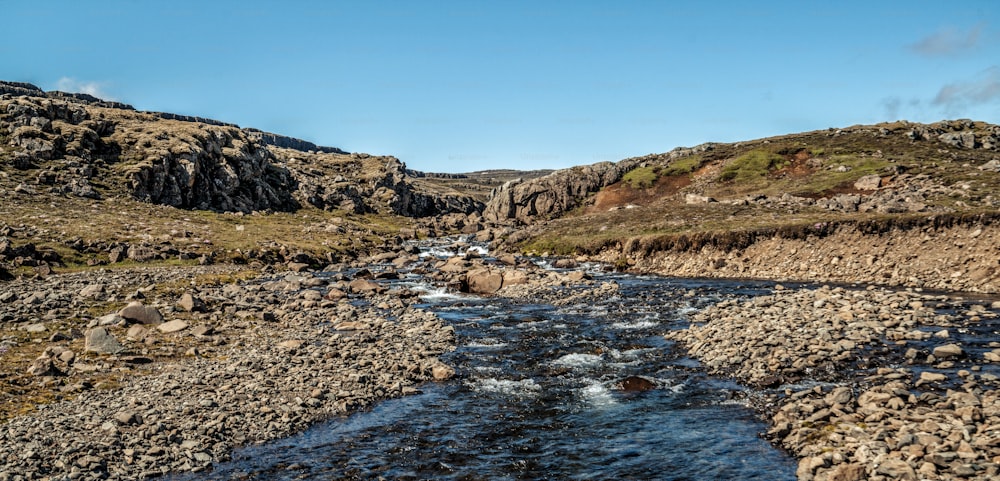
894,401
269,356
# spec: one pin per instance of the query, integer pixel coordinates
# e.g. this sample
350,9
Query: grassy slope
649,204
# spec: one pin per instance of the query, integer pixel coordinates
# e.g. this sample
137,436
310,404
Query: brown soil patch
621,194
797,168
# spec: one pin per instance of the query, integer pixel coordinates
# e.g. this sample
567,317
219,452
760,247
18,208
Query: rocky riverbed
873,384
163,370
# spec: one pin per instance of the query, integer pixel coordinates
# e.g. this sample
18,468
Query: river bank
173,383
962,257
206,359
877,384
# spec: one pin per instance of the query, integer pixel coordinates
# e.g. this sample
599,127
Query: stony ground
876,384
173,374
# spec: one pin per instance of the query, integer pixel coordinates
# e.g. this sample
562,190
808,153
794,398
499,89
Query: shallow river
539,395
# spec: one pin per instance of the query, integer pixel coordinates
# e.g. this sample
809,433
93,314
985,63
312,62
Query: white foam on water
597,395
641,324
440,294
523,388
486,342
482,251
437,252
578,360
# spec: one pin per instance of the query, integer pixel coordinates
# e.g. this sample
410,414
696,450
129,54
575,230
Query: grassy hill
880,173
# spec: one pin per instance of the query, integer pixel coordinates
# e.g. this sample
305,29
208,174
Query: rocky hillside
833,169
807,206
83,146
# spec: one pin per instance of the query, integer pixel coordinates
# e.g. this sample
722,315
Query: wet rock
442,372
947,351
365,286
483,281
636,384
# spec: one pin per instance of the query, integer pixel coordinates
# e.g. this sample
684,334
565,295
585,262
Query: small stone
35,328
172,326
110,320
442,372
947,350
203,330
43,367
67,356
291,343
136,333
125,418
101,341
137,312
190,303
928,376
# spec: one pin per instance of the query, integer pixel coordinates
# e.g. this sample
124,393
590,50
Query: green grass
683,166
641,177
830,177
751,166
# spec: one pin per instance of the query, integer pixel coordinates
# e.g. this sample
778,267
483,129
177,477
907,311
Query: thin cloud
948,41
69,84
891,106
983,89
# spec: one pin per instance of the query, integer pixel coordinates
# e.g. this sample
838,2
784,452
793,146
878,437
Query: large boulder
483,281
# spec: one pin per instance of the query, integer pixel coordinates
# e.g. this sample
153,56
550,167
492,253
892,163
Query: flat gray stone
101,341
172,326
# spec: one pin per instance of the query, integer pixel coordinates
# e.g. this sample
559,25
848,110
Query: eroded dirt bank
956,258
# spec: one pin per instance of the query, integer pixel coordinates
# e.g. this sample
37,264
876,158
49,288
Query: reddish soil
622,194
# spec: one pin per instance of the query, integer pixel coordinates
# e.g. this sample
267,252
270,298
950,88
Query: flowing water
540,393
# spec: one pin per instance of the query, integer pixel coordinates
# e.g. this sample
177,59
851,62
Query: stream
586,391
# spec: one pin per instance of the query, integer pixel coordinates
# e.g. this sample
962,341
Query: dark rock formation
552,194
289,142
73,139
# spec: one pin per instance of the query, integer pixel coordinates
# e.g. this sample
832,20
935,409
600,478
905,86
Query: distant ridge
277,140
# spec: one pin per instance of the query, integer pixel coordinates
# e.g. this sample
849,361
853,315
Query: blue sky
470,85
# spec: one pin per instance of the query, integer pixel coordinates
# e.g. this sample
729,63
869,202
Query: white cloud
72,85
948,41
985,88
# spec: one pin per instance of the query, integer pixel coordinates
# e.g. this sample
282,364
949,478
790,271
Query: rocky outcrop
196,163
551,195
362,183
289,142
217,169
20,88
